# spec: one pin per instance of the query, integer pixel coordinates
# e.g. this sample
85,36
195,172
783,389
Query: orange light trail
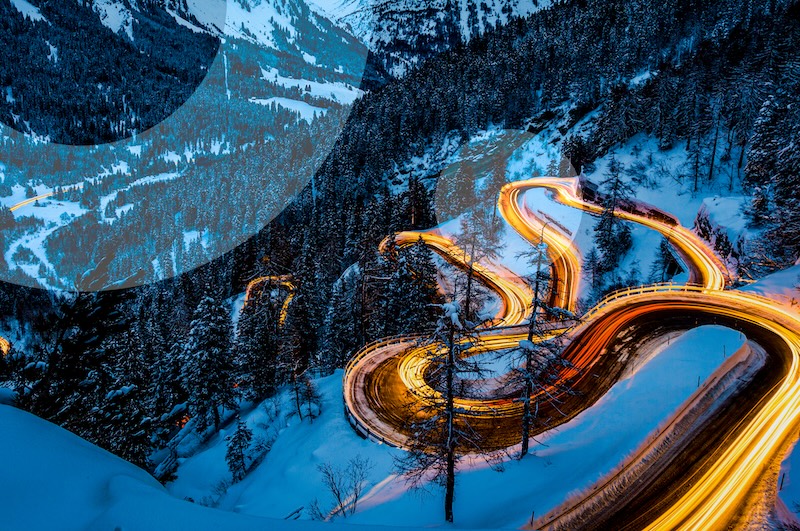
515,294
714,500
283,281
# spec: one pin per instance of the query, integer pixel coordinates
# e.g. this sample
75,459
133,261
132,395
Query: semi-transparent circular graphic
86,73
209,176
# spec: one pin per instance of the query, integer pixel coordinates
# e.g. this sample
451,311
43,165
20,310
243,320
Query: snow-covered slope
115,16
28,10
288,26
568,458
357,16
53,477
405,32
254,20
55,480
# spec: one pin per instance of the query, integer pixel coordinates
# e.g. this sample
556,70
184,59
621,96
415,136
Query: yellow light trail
515,294
31,200
715,499
46,195
283,281
563,252
707,269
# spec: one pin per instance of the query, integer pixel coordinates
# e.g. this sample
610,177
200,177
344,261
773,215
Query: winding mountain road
708,481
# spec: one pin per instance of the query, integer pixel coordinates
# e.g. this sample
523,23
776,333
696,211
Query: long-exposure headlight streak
284,281
707,269
563,252
515,295
710,502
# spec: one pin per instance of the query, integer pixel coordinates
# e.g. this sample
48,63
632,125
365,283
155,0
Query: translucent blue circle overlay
91,72
210,174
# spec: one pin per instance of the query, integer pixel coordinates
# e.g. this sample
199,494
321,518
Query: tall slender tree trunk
741,163
713,154
468,298
297,402
217,420
450,481
526,404
526,412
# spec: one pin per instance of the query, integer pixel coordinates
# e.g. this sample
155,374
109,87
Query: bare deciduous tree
346,485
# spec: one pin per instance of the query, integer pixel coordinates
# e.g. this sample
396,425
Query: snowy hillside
276,70
286,26
570,457
405,32
280,302
55,480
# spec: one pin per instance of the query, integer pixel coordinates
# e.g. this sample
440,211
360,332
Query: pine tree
765,143
6,218
76,371
123,415
342,333
594,269
613,235
480,238
388,280
256,347
238,447
664,266
207,363
419,288
312,399
760,211
538,372
440,439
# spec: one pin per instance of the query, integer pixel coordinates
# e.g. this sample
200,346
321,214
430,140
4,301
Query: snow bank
727,212
781,286
52,476
7,396
28,10
56,480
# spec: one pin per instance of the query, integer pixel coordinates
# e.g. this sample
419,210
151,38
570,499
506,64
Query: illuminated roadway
564,255
46,195
706,269
257,286
715,490
515,294
712,489
382,377
30,200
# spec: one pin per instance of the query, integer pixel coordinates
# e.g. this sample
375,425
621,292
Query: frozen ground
55,480
565,459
